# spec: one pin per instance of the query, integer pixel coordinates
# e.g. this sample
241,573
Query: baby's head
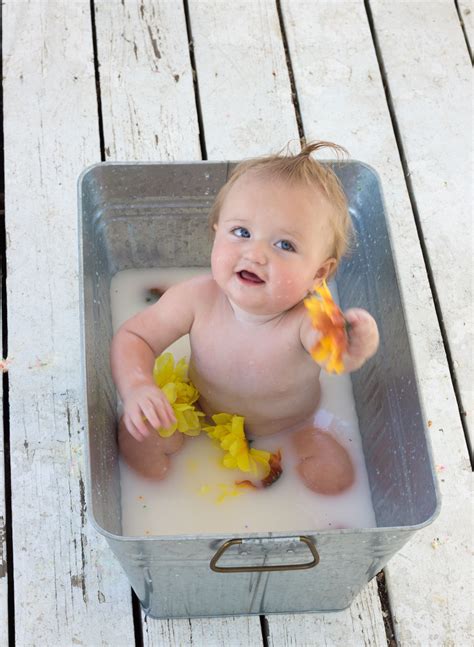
281,224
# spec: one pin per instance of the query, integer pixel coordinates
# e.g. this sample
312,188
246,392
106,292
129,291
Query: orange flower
327,318
274,474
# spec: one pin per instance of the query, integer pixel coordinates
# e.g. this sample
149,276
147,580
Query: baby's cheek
288,291
221,263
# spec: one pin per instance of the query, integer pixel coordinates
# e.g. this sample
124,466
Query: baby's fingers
167,413
357,316
158,412
138,420
133,429
151,413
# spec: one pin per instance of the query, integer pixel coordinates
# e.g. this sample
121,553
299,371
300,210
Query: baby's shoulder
198,289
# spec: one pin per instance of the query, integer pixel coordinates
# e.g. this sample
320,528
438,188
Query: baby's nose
256,252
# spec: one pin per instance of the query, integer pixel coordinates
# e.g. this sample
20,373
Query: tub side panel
172,578
104,479
385,388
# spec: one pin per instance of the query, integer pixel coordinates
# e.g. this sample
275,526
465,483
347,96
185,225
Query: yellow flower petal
238,426
229,461
260,455
168,431
163,369
181,370
170,391
243,462
222,418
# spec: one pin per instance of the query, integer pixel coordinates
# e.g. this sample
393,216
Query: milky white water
199,496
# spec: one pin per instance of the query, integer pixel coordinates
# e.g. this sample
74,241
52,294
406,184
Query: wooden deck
85,81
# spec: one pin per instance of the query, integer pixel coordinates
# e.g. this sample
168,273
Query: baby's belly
269,405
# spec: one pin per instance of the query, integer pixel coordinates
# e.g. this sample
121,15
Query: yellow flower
229,433
327,318
180,393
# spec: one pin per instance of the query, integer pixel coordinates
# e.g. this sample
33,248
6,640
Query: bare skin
150,456
325,465
250,337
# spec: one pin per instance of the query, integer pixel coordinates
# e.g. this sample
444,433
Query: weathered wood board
203,632
66,582
342,99
433,104
146,81
465,8
243,78
361,622
425,58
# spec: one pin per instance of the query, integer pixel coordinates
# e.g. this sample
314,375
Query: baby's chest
227,356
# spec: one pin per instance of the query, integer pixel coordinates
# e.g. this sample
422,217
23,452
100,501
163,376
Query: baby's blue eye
241,232
285,245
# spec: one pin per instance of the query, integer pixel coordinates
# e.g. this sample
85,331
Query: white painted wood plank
342,99
203,632
66,581
430,78
3,536
465,8
433,104
361,622
243,78
146,81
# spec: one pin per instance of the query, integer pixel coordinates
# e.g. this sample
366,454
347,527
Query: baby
281,225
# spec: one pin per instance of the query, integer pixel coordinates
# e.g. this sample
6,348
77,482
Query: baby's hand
363,338
146,402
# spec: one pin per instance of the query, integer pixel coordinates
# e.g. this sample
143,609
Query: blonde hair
301,168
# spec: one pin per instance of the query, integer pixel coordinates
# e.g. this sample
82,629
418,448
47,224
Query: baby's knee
150,458
325,465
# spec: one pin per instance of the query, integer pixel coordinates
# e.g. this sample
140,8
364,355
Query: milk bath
199,495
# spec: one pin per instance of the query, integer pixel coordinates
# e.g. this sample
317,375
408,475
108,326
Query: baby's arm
134,349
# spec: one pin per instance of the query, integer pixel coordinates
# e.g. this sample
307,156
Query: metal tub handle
259,569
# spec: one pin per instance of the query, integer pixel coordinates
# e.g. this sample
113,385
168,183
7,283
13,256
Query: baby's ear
326,269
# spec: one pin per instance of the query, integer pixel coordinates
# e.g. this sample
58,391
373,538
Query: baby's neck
250,317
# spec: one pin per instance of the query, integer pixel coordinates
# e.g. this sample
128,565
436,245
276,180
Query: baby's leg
150,458
325,466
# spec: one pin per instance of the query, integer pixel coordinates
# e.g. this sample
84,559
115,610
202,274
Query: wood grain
466,8
146,81
425,58
66,581
358,626
243,78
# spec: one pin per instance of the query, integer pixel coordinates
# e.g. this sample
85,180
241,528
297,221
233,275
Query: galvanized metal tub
144,215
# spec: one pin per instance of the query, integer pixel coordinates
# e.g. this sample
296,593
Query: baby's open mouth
249,277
